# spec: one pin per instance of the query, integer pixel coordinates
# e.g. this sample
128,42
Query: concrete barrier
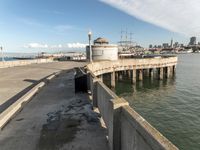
7,64
7,115
102,67
127,130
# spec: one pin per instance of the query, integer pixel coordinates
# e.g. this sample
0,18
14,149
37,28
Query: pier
53,110
162,67
57,105
126,128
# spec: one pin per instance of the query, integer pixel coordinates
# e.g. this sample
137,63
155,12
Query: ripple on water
172,106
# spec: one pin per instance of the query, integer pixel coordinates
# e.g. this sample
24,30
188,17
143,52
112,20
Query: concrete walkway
56,119
16,81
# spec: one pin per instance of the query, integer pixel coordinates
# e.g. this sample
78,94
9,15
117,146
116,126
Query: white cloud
36,45
76,45
59,46
180,16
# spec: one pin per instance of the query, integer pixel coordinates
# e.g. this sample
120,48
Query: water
172,106
7,59
11,56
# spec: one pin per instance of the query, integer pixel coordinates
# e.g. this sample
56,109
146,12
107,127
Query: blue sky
53,25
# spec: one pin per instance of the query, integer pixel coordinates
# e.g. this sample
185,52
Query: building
150,46
193,40
102,50
176,44
171,44
165,45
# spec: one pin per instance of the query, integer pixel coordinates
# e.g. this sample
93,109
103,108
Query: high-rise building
165,45
176,44
150,46
171,44
193,40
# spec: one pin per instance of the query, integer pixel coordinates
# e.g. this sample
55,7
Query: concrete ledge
9,113
7,64
135,129
127,130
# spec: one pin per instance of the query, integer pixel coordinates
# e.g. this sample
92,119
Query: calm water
172,106
7,59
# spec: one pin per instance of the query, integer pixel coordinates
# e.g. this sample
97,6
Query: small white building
102,50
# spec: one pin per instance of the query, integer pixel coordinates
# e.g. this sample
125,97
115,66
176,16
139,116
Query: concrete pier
126,128
147,71
140,71
129,73
100,77
113,79
16,81
139,67
56,119
134,75
161,73
151,73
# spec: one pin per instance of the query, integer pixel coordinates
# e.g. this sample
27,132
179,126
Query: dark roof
101,41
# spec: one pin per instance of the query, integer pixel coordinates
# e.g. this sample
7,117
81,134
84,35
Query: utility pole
2,57
90,46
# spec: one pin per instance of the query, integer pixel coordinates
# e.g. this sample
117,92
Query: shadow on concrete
75,120
31,81
50,68
13,99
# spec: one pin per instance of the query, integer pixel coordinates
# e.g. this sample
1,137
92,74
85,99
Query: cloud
36,45
180,16
59,46
76,45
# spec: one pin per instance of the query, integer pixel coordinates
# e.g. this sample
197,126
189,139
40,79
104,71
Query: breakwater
126,128
6,64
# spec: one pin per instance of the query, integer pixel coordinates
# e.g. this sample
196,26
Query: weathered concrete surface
5,64
16,81
55,118
127,130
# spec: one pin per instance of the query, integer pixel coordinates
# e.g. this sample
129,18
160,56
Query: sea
172,106
11,56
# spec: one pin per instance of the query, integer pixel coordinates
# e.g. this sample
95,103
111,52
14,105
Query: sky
62,25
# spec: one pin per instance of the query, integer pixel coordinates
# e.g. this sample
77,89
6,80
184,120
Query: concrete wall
103,52
127,130
7,64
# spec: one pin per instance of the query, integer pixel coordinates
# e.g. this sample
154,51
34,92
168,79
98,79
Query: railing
102,67
127,130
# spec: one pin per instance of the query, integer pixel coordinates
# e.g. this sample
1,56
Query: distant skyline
52,25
